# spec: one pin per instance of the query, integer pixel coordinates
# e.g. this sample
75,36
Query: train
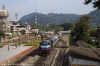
47,45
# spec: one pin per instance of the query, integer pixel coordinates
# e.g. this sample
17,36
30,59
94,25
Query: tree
57,29
2,34
96,3
98,34
21,23
80,30
66,26
34,26
23,32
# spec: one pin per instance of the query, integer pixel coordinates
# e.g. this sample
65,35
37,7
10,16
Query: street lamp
8,43
16,43
19,40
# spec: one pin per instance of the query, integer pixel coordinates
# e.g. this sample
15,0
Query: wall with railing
16,57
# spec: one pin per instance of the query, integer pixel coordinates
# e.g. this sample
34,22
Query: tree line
81,30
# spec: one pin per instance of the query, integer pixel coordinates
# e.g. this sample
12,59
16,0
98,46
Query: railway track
49,60
46,60
55,58
61,47
27,60
40,61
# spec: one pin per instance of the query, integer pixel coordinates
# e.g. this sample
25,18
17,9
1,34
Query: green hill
51,18
55,18
95,17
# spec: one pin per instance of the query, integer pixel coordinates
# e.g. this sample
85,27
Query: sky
25,7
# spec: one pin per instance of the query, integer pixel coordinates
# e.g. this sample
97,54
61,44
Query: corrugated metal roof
85,53
81,65
97,51
80,44
80,62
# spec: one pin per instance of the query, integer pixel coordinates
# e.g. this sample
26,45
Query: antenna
36,16
3,7
16,15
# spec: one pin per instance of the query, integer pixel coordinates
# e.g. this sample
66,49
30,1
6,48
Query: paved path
5,54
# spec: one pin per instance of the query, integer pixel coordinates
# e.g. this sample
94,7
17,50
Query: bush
91,44
34,43
1,45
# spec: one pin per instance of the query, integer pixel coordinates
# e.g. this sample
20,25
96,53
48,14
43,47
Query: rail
49,60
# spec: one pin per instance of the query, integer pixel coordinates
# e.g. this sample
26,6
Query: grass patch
34,43
90,45
71,41
1,46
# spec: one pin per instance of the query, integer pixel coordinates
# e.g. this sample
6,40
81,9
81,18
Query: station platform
7,56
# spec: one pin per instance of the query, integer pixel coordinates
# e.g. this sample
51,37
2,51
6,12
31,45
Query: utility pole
8,42
16,15
35,21
19,38
36,16
3,7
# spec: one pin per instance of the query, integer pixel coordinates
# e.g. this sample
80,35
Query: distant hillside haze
55,18
95,17
51,18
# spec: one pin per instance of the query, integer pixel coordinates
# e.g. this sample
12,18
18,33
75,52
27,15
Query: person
41,37
35,35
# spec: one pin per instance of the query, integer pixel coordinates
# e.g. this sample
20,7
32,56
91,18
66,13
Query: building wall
16,28
3,24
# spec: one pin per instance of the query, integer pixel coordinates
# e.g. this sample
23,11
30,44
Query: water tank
4,13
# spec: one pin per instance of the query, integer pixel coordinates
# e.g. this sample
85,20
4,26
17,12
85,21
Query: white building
28,28
16,28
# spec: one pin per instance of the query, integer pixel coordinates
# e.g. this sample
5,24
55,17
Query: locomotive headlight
45,46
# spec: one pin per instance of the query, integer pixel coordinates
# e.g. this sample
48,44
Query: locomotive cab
45,47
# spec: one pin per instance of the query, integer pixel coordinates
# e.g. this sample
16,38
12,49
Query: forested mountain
54,18
51,18
95,17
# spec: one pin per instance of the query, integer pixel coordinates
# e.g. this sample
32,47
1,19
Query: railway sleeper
50,58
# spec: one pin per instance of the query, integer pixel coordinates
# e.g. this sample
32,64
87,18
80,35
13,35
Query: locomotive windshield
45,43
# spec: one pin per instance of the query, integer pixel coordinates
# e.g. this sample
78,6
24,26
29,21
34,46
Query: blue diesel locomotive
46,45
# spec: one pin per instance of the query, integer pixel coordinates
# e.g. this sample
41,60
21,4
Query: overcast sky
24,7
